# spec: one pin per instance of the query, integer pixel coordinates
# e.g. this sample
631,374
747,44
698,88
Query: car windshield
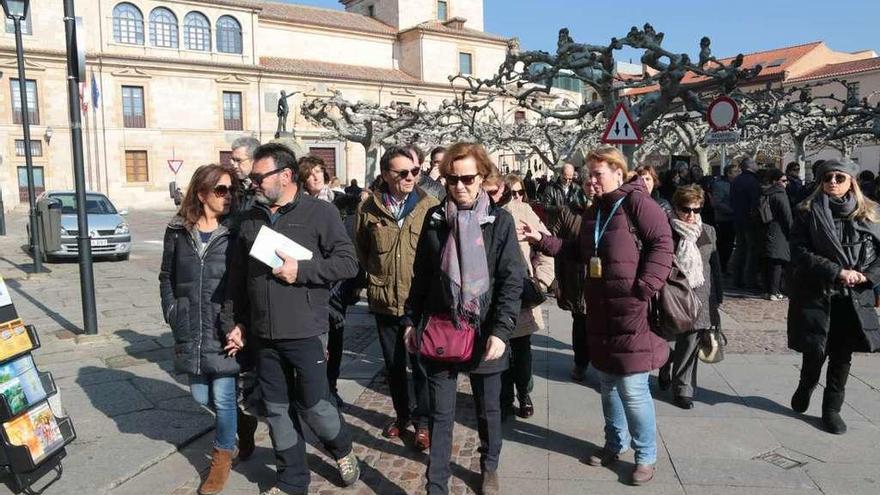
96,204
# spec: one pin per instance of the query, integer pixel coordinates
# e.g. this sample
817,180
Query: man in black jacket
283,311
562,192
745,193
242,161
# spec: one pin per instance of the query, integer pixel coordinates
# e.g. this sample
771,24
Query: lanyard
597,233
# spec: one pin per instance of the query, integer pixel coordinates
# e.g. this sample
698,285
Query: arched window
128,24
228,35
196,32
163,28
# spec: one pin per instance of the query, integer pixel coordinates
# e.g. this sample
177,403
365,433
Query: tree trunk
372,165
702,153
800,156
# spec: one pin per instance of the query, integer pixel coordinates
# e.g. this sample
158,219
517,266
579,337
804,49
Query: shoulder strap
633,226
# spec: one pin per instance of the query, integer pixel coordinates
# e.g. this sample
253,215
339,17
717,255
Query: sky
734,26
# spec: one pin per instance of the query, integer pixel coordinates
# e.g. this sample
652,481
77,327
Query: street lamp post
16,10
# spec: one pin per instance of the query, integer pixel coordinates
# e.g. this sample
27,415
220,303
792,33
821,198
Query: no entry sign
723,113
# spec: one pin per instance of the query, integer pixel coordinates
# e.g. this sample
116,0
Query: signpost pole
723,158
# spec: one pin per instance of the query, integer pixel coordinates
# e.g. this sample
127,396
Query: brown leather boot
221,462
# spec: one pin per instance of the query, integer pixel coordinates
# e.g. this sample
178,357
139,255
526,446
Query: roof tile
841,69
314,68
323,17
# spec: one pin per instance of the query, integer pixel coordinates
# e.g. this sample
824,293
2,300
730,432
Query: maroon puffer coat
620,339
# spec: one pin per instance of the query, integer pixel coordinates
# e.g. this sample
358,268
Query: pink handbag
441,341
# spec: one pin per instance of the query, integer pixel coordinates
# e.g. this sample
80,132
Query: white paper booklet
268,241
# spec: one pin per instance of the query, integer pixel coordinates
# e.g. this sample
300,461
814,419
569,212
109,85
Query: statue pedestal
288,139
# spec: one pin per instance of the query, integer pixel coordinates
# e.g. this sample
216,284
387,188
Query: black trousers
335,339
293,379
726,237
843,337
410,397
773,275
442,383
519,374
579,340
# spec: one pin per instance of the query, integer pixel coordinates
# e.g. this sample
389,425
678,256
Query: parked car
108,230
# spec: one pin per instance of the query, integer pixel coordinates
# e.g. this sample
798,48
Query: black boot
247,427
811,368
832,401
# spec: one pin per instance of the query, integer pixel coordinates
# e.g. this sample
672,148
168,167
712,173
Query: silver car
108,230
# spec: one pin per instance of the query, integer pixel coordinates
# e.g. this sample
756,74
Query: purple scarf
463,260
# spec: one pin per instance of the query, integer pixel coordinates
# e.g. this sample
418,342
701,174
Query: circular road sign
722,114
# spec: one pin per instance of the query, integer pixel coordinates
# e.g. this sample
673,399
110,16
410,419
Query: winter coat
427,296
664,204
776,232
618,333
538,265
711,292
270,308
721,200
431,186
192,285
745,192
812,282
387,251
555,198
571,275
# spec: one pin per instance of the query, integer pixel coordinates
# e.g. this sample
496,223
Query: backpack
765,213
674,309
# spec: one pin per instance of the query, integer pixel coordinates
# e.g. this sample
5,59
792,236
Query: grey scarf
823,233
463,260
687,253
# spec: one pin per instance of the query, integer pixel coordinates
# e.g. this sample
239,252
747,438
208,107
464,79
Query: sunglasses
695,211
257,179
403,174
222,190
836,178
517,192
453,180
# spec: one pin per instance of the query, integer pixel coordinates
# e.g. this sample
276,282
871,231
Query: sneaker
603,457
642,474
578,373
278,491
349,469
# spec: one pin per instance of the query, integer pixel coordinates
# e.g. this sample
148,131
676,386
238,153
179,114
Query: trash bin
49,224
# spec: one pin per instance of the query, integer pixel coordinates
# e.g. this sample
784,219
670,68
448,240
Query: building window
228,35
371,10
136,169
232,111
32,101
852,93
128,24
442,10
163,28
26,26
133,107
465,63
36,147
196,32
519,116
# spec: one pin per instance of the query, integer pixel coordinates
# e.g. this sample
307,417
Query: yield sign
621,128
175,165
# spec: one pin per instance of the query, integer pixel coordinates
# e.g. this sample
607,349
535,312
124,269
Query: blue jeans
629,415
218,393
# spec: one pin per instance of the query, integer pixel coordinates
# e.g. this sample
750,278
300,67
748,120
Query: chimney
455,23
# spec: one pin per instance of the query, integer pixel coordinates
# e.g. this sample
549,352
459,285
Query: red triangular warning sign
621,128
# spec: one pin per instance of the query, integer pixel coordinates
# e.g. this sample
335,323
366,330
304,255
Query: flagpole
89,182
97,149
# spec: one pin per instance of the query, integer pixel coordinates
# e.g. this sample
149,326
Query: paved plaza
139,432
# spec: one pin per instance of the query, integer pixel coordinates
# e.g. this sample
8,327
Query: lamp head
15,8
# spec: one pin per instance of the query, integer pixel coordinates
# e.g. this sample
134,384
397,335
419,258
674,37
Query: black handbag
532,295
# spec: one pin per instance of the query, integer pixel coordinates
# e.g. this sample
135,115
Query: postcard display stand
32,436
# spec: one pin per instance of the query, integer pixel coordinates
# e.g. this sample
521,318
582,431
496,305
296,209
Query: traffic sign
722,114
621,128
175,165
722,137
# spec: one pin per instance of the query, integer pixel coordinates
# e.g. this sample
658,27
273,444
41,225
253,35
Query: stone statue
282,113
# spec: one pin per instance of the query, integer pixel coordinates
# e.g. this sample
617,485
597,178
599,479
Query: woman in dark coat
835,266
777,228
192,285
652,182
622,280
468,271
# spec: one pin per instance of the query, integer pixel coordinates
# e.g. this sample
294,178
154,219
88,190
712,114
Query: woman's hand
234,340
851,278
494,349
526,232
409,340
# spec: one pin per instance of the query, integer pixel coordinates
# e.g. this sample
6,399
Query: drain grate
781,459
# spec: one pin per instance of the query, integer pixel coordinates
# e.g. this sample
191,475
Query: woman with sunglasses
696,253
776,218
192,285
835,265
467,282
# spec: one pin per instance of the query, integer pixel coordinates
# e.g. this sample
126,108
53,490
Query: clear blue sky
734,25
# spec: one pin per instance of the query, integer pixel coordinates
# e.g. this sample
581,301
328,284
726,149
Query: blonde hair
866,209
610,155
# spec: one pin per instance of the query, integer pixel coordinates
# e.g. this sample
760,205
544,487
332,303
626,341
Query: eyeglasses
403,174
836,178
239,160
257,179
491,192
517,192
453,180
222,190
685,210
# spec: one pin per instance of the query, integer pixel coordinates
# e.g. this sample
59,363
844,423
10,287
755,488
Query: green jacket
387,251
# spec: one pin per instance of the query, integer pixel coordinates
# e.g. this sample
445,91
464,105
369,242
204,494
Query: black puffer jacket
192,285
776,245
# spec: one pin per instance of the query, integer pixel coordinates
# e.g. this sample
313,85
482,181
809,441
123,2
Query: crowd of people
456,258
